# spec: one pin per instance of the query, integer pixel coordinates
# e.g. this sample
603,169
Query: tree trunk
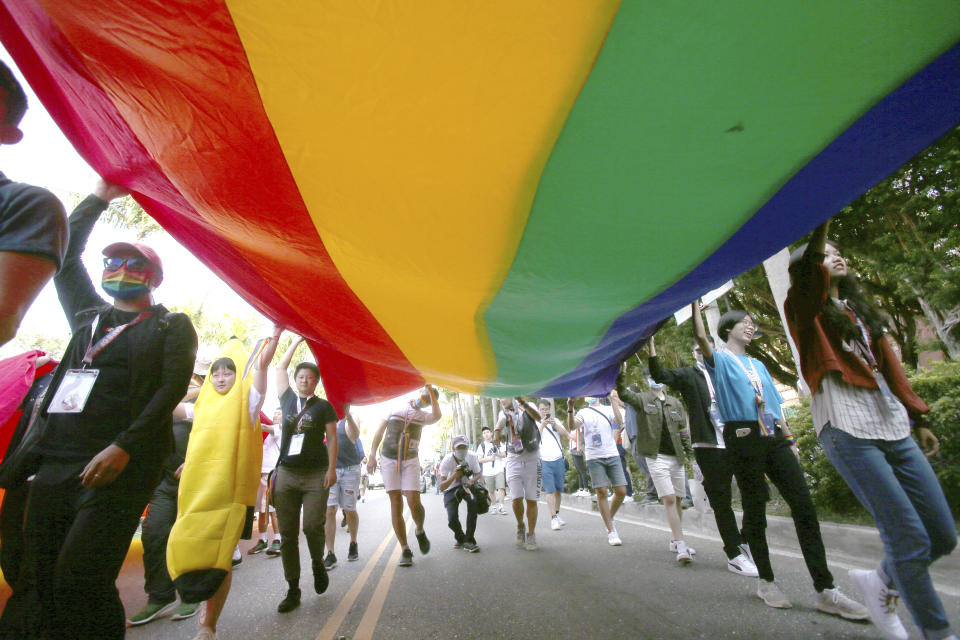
944,323
472,416
484,422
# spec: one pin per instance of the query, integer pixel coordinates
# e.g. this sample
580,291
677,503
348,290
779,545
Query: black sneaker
352,554
423,542
260,547
471,546
330,562
291,602
457,544
406,558
320,579
274,549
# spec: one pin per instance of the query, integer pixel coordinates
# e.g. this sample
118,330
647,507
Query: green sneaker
186,610
150,613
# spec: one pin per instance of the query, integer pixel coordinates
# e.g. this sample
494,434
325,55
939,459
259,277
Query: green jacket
650,422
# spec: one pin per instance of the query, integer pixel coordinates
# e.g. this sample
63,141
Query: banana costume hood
218,486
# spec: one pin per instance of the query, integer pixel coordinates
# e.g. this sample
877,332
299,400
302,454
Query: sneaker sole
405,563
330,568
843,614
784,604
353,558
254,552
530,547
163,610
740,572
178,616
683,562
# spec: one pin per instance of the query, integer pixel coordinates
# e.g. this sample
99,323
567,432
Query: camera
465,470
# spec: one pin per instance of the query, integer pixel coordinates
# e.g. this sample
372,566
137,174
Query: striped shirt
858,411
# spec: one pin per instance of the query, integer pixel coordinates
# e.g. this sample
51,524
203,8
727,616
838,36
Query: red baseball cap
137,247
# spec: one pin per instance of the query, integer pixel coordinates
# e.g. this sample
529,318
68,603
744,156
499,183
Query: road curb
851,544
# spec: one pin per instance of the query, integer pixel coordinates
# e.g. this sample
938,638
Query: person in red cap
109,429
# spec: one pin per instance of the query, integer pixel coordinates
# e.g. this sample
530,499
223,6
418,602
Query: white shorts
668,475
262,506
343,493
523,475
405,479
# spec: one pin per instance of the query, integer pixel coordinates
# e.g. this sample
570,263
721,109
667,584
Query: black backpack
478,494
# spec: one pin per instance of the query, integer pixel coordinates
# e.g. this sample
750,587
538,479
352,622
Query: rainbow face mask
123,285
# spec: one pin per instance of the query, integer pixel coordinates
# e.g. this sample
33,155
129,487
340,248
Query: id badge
596,440
412,446
74,390
296,444
769,421
517,445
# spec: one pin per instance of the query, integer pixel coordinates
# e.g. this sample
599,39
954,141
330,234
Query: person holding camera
492,460
304,472
459,471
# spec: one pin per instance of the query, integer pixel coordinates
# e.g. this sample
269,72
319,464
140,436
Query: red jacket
821,350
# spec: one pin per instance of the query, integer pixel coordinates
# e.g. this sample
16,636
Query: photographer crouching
459,474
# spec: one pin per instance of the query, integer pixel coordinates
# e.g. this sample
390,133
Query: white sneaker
613,539
531,543
833,601
673,547
554,524
770,593
741,565
684,557
881,603
521,535
560,520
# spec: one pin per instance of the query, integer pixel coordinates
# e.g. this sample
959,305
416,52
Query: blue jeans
897,485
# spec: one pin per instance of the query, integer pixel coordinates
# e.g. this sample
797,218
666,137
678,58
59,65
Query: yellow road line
369,621
329,630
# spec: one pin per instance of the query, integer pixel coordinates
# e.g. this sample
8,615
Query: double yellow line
375,607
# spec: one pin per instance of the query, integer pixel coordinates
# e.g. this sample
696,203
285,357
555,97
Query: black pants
161,515
76,541
754,456
717,476
452,503
626,469
581,468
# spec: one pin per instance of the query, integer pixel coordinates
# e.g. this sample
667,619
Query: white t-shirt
271,450
550,448
495,466
598,432
449,465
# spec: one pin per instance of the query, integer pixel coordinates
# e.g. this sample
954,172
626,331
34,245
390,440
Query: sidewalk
849,544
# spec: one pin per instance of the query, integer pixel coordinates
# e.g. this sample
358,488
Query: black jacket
692,385
162,350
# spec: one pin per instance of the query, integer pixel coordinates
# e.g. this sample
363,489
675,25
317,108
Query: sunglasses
133,265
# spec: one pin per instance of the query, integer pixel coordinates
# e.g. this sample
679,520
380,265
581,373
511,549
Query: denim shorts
606,471
553,475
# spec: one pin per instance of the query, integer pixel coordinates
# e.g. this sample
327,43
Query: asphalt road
573,586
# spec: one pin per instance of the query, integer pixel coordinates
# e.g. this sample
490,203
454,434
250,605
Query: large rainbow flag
500,197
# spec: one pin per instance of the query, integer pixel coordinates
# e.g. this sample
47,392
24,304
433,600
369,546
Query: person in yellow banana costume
219,480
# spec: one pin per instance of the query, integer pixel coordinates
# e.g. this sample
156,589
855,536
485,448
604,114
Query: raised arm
700,333
282,377
658,372
353,431
434,405
615,405
630,397
809,282
528,409
263,363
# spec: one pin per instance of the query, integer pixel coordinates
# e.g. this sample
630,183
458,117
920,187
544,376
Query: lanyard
93,350
757,383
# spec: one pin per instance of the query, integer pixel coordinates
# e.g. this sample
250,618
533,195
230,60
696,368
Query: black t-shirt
313,424
107,412
666,442
32,220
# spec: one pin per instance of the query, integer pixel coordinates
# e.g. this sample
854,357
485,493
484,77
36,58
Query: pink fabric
16,376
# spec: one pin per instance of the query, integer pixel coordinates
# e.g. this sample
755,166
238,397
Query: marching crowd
131,418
